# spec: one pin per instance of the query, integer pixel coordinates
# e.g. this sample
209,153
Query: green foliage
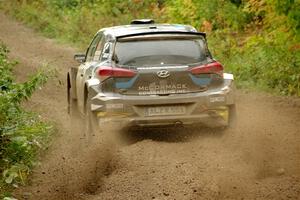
271,66
220,13
76,21
258,40
22,133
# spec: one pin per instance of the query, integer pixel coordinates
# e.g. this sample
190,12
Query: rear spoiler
163,32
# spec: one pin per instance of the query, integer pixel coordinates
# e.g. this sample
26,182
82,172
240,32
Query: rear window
160,52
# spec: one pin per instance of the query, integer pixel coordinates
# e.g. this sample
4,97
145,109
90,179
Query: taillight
211,68
105,72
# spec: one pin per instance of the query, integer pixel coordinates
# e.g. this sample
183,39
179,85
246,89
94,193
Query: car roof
138,29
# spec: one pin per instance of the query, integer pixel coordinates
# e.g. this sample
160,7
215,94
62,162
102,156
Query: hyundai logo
163,73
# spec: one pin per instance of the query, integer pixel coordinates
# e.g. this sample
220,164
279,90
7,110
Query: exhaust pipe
178,124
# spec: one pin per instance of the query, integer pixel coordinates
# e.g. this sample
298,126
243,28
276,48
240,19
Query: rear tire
72,103
232,118
75,118
91,127
73,109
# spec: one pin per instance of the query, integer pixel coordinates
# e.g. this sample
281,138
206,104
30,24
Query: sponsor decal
115,106
217,99
163,89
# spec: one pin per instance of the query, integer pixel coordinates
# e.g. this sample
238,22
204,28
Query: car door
84,70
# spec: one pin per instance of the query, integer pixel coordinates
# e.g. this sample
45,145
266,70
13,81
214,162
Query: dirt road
259,159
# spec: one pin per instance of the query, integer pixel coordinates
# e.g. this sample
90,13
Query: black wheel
91,127
232,118
72,103
75,117
73,109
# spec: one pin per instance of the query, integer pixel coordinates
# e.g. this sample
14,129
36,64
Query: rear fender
88,91
229,88
228,76
92,82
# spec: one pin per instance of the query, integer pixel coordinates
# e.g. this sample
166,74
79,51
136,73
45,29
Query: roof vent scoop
142,21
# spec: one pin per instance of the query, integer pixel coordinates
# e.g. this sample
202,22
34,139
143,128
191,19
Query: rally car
150,75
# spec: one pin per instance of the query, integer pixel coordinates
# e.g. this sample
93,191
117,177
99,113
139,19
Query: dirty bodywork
151,75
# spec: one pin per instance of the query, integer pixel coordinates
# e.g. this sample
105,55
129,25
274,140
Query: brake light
211,68
105,72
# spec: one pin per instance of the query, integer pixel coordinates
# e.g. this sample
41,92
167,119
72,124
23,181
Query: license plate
165,110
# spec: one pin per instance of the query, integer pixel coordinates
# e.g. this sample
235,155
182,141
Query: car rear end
163,79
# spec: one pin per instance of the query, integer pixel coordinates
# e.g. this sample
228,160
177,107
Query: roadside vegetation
22,134
257,40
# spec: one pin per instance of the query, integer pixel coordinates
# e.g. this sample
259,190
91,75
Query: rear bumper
208,119
209,108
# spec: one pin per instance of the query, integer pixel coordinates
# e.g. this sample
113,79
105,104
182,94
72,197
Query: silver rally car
148,74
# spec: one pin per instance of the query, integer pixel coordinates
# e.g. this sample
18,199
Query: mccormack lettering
163,89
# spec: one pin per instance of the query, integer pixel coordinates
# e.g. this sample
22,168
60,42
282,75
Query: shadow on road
168,134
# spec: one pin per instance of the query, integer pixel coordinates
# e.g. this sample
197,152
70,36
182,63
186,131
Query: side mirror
79,57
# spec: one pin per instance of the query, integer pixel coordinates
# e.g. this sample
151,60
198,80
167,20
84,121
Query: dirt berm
259,159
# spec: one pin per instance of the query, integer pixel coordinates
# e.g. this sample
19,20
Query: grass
23,134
